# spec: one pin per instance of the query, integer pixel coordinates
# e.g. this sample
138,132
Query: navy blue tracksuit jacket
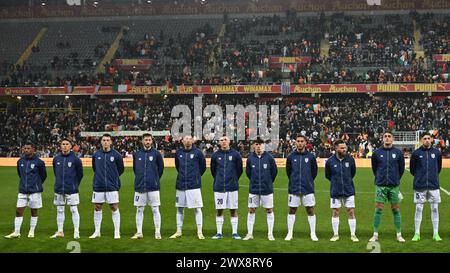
191,165
388,166
148,167
68,171
262,172
226,168
341,174
301,169
425,166
108,167
32,174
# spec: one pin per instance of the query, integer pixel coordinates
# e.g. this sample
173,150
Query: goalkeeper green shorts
385,194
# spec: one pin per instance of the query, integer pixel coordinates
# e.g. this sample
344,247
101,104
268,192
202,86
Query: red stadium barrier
228,89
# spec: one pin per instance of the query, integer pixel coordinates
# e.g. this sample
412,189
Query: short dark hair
65,139
302,136
258,140
105,135
339,142
425,134
147,135
388,132
29,143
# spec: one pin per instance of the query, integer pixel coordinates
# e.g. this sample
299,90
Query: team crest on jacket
347,164
32,165
306,160
265,166
139,158
111,158
220,158
192,156
150,158
58,163
230,157
433,156
394,155
69,164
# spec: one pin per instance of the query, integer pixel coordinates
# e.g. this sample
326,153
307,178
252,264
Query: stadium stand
363,49
358,119
211,50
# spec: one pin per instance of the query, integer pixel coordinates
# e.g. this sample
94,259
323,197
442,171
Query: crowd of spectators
435,33
358,119
362,49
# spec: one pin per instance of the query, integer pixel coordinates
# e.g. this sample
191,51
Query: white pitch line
445,191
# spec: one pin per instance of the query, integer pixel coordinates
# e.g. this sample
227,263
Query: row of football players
388,166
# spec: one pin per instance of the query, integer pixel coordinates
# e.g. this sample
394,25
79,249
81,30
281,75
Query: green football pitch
189,242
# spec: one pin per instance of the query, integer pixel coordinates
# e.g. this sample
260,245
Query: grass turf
189,242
